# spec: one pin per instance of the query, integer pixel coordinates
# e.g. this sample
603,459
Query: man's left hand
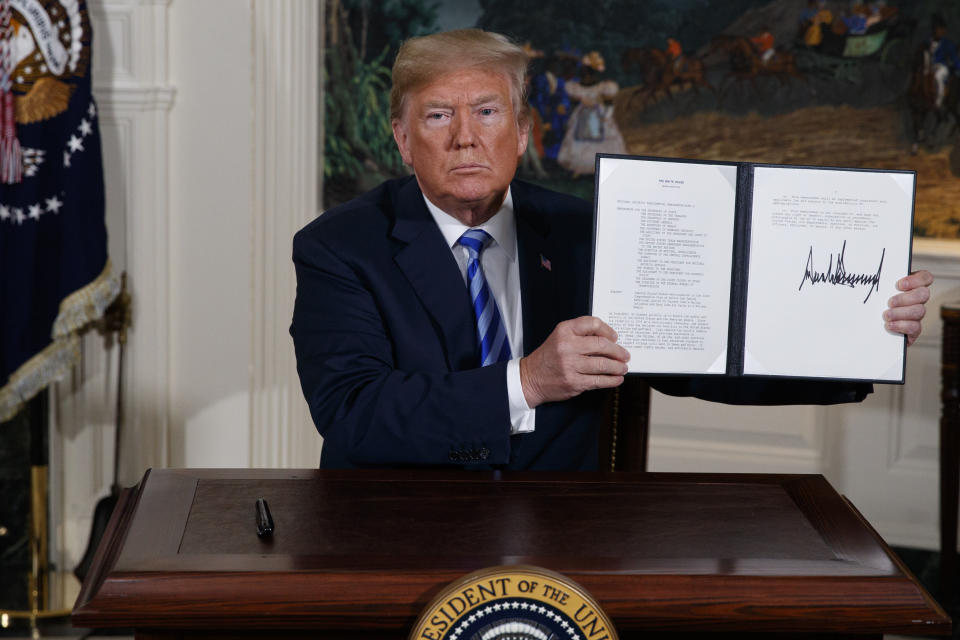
908,308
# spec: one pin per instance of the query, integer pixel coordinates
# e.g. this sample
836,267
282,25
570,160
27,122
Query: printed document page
663,252
827,247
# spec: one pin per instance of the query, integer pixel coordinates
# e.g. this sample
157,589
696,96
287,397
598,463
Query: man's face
460,135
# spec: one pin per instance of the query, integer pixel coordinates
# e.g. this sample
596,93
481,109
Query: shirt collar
500,226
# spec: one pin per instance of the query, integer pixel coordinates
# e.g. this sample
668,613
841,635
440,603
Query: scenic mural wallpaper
861,84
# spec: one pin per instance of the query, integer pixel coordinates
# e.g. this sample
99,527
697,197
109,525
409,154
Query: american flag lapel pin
545,263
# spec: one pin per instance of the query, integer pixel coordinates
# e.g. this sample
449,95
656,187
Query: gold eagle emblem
47,98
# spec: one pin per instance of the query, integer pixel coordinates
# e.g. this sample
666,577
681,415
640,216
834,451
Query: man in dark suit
404,293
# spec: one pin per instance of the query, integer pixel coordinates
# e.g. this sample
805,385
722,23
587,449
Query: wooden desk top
363,549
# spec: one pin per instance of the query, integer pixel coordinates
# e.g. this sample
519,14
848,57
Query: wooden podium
361,553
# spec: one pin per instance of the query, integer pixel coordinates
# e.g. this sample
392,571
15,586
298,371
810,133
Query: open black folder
744,269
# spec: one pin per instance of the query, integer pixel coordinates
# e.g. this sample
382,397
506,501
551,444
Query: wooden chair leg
949,496
624,433
949,451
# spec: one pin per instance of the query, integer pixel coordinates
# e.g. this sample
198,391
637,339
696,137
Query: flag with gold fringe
55,276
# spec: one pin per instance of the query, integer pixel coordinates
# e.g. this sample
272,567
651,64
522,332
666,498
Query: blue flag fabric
55,276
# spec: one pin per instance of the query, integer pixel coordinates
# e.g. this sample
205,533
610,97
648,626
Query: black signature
839,275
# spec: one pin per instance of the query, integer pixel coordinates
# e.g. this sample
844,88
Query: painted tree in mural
362,39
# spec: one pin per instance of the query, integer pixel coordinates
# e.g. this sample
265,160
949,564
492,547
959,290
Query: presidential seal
513,603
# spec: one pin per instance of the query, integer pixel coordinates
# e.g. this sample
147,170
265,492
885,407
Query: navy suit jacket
386,339
387,349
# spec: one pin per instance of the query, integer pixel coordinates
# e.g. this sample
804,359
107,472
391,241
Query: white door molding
287,43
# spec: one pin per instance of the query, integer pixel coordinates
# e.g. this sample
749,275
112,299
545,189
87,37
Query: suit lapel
429,265
537,282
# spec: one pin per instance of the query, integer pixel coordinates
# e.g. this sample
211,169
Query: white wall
210,232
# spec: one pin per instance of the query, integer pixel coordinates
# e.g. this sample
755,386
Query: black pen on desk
264,519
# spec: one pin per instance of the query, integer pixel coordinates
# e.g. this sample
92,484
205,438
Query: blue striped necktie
494,346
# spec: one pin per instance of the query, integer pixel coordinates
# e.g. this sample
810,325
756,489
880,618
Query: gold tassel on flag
11,161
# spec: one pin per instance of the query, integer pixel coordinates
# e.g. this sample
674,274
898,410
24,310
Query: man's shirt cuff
522,417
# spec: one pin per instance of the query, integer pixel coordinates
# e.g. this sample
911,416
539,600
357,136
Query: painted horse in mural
661,72
925,117
746,62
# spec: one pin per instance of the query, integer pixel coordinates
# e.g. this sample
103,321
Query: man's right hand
581,354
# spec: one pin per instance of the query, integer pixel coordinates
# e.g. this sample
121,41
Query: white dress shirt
502,272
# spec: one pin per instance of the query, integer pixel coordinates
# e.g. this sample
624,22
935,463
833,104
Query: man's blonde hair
422,59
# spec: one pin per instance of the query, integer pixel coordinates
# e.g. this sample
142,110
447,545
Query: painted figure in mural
943,58
764,42
684,67
674,52
855,19
880,12
549,98
592,128
531,161
814,19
